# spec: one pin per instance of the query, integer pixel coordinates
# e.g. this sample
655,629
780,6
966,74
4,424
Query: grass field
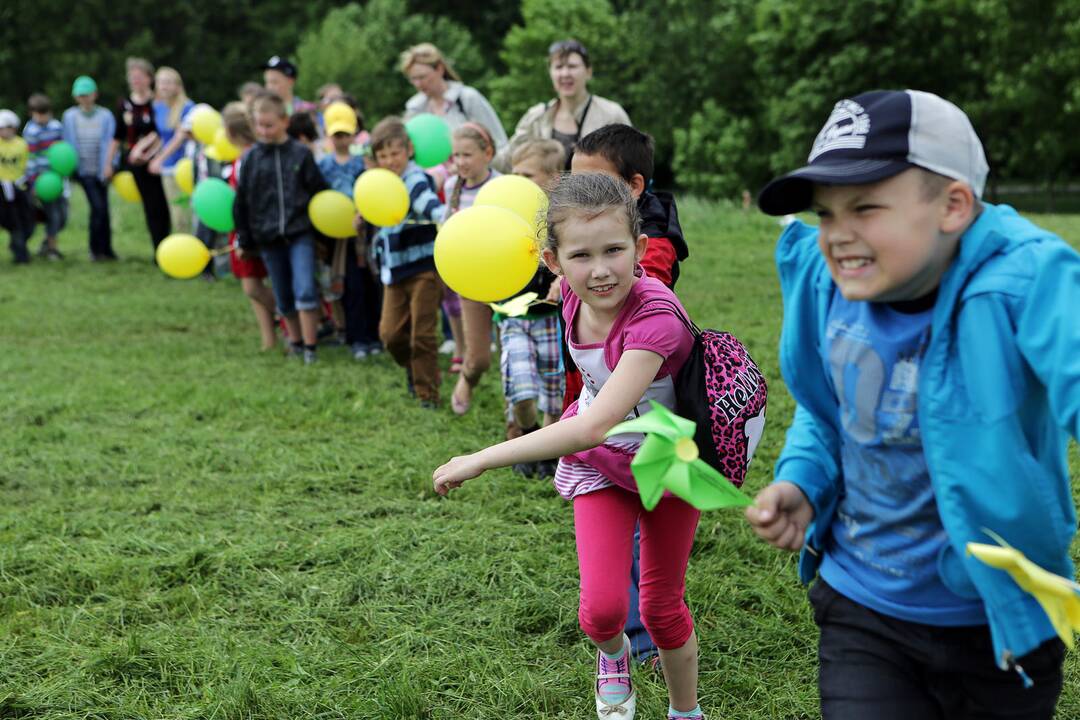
192,530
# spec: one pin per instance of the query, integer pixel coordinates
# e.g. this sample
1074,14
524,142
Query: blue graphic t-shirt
887,533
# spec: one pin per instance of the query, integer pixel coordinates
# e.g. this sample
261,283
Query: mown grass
192,530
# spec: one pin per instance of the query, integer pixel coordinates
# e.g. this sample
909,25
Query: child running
473,150
40,132
930,345
630,349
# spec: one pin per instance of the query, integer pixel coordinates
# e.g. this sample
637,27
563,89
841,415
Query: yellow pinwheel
668,460
1058,596
516,306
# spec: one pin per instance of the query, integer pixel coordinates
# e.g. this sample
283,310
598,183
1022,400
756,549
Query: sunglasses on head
565,47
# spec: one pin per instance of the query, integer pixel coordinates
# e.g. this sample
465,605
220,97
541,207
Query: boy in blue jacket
930,343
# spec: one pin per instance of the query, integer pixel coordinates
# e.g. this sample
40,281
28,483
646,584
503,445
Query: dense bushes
732,90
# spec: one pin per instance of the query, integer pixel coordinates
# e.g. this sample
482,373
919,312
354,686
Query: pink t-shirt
640,325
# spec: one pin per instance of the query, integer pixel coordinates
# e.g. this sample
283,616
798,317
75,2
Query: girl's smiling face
472,162
597,256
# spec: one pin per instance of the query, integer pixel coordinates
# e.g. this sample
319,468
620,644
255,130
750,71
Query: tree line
732,90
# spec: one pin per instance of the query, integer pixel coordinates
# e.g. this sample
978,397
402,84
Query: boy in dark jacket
622,151
277,181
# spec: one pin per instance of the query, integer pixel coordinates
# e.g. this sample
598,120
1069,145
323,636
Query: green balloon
48,186
213,204
62,158
430,137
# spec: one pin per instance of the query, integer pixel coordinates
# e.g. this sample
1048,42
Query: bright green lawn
190,529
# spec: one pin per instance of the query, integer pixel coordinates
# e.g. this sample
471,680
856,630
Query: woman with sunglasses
574,112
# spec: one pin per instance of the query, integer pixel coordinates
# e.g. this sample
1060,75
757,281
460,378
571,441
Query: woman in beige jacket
573,113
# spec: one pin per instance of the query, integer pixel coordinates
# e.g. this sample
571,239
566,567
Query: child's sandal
455,365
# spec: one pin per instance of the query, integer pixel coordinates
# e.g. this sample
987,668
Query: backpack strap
678,312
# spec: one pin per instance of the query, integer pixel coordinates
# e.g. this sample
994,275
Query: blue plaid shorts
531,362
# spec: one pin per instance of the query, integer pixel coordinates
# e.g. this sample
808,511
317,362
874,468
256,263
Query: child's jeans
410,316
362,299
531,362
604,527
97,196
292,274
56,215
17,217
880,667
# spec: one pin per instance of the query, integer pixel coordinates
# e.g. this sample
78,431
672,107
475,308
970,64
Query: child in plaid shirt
531,362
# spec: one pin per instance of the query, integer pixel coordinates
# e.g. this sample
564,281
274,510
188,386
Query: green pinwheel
668,460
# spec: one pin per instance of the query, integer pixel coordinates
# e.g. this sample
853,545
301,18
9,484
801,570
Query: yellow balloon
182,256
381,197
184,172
332,214
124,182
486,253
522,196
226,151
205,122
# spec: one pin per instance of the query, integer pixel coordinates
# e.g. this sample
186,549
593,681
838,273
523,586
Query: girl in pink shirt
629,350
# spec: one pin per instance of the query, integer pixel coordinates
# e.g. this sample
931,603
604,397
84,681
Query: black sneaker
52,254
429,405
310,356
525,469
546,469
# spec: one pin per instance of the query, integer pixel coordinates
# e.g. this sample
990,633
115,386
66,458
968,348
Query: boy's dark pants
155,206
876,666
17,217
410,314
97,196
362,300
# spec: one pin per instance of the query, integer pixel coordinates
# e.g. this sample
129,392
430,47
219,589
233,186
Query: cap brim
794,192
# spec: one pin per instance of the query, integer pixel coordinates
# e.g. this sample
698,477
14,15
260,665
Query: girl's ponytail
455,196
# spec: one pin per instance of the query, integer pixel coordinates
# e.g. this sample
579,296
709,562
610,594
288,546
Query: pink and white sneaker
615,698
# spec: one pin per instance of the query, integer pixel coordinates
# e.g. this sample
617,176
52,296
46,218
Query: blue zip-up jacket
107,131
999,392
408,248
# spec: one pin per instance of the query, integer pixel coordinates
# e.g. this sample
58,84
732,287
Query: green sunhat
83,85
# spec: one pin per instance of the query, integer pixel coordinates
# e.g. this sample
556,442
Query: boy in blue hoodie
930,344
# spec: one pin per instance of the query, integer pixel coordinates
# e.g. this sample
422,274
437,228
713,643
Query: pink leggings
604,526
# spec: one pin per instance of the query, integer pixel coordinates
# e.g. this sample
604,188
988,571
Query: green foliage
358,47
525,52
714,155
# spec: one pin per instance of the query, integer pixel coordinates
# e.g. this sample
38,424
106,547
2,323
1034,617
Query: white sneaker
616,672
447,348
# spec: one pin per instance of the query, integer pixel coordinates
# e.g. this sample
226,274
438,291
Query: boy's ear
637,185
551,260
959,207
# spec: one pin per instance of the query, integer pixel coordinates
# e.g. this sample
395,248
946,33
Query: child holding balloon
630,350
473,151
277,181
250,270
42,131
405,253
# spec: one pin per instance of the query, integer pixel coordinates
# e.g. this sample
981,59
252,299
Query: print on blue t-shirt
887,533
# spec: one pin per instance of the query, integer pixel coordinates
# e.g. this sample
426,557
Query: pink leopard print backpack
722,390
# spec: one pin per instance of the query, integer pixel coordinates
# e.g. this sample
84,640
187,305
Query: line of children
40,132
405,257
473,149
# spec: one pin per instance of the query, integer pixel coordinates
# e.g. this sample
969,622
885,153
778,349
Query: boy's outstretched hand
780,515
454,473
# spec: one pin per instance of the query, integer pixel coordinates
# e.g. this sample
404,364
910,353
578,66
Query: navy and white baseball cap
876,135
282,65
